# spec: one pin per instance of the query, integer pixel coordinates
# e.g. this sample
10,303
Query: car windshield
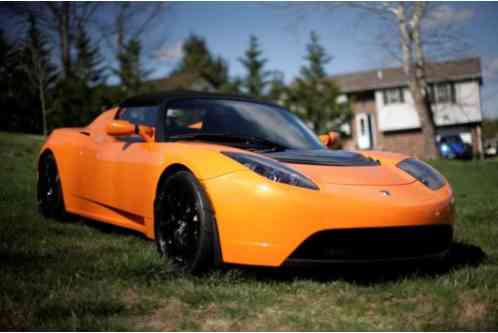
228,120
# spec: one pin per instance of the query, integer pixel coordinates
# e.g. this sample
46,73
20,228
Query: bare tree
408,17
412,35
58,20
129,21
34,61
41,76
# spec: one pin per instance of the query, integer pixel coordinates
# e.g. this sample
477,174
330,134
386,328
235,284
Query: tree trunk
44,108
419,86
410,39
422,106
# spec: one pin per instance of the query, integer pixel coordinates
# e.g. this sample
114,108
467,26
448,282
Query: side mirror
120,128
123,127
325,139
331,140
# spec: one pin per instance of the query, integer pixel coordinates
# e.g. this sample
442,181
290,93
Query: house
185,80
384,116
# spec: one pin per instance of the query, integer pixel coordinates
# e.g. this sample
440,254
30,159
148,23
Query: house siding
409,139
467,108
396,126
403,116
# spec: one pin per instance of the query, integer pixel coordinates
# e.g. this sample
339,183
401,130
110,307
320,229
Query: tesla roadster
220,179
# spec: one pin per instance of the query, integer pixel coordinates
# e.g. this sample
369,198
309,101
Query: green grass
80,275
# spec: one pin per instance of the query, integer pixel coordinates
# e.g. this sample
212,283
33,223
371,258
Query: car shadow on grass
108,228
460,255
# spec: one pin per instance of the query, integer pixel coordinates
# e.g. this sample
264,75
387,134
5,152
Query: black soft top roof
159,98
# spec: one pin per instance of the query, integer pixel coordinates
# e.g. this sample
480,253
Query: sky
349,35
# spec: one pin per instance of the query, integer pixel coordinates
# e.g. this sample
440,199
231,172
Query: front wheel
49,189
185,224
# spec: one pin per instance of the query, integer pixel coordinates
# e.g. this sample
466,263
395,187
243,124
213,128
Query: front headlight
272,170
423,172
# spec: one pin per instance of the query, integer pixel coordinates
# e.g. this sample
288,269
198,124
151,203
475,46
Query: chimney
379,74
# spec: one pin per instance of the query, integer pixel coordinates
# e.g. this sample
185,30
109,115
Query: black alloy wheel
185,225
49,189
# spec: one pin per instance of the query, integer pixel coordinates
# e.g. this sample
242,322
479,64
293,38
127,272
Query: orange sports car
224,179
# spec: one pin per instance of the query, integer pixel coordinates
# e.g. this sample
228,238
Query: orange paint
260,222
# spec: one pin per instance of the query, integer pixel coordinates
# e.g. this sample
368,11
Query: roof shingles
469,68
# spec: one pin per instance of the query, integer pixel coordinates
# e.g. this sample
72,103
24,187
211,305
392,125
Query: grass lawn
81,275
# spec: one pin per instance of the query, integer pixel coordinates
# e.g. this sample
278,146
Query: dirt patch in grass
472,311
165,318
211,319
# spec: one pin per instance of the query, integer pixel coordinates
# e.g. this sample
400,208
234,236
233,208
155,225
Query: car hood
342,167
325,166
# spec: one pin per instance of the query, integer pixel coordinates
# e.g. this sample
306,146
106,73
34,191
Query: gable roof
185,80
463,69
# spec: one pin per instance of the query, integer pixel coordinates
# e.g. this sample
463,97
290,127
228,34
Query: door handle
85,133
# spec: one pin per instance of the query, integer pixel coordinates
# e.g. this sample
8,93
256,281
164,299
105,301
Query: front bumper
264,223
369,245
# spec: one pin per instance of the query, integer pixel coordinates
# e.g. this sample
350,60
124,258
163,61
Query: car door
100,162
137,162
96,161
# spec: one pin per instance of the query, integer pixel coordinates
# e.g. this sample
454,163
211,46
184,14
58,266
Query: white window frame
393,96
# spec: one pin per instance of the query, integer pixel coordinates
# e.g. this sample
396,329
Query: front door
364,130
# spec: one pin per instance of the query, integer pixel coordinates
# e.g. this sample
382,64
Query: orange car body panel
260,222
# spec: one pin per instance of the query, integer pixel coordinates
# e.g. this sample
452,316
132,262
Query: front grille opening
375,243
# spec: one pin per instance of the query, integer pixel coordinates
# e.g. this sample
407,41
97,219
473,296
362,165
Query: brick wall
406,142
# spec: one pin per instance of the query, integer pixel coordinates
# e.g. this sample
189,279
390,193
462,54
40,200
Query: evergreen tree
277,87
131,72
313,96
8,65
88,66
256,78
9,85
217,73
196,56
232,86
197,59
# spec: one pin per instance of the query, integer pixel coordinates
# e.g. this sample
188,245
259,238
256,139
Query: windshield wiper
224,137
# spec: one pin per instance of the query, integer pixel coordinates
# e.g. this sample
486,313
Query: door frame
365,119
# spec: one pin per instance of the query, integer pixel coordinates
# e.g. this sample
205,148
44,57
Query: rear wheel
49,189
185,224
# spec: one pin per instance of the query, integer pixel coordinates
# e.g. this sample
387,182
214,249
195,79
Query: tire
185,226
49,189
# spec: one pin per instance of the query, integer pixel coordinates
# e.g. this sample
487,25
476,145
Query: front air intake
375,243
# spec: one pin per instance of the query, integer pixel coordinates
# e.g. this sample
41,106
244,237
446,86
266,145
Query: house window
393,96
442,93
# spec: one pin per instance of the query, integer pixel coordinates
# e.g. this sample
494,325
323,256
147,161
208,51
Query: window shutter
453,93
430,92
384,93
